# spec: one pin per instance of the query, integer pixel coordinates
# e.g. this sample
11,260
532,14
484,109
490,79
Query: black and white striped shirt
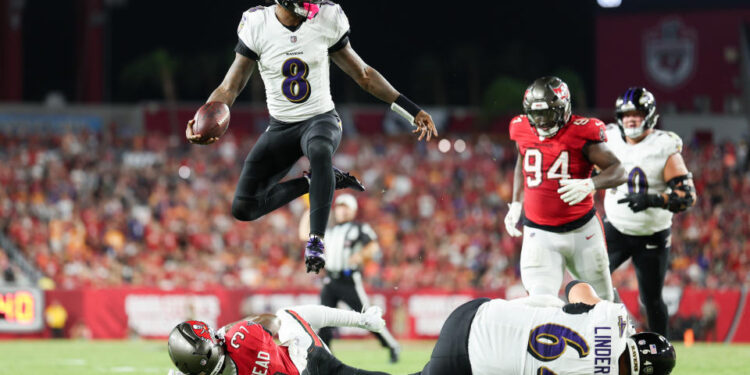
343,240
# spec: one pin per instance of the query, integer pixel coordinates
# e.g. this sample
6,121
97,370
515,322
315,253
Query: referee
348,245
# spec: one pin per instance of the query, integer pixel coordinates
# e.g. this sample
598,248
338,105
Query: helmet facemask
547,105
303,9
641,100
193,349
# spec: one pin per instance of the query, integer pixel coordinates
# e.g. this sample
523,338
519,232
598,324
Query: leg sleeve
319,142
322,316
651,262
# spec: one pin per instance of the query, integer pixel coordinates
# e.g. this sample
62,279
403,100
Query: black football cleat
346,181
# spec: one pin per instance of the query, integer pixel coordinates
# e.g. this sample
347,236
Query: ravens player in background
557,152
639,212
247,347
540,335
290,43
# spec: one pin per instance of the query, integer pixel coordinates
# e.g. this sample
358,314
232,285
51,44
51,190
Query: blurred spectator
709,315
98,210
56,316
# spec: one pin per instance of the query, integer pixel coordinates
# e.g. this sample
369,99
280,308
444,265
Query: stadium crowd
103,210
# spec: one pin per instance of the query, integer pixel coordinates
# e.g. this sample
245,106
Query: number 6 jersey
510,337
644,163
546,161
293,62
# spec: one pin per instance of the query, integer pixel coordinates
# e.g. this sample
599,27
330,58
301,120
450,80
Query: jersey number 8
295,87
532,164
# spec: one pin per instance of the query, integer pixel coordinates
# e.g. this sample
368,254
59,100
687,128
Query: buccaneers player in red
554,186
247,347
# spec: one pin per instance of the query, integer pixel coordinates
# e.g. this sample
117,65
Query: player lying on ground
291,44
557,152
540,335
639,212
247,347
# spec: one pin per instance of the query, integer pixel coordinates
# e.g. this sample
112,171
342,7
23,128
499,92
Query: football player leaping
639,213
247,347
553,185
290,43
540,335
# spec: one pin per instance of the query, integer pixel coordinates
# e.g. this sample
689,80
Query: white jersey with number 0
294,64
644,163
513,338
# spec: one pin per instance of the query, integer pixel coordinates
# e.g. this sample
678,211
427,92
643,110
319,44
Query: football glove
641,202
372,319
511,219
575,191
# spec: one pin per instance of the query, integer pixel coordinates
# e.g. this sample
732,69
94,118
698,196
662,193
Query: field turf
20,357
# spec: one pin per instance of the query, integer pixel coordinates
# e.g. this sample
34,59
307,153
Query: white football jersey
294,64
509,338
644,163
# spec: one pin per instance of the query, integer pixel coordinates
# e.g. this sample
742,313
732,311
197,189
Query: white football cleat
372,319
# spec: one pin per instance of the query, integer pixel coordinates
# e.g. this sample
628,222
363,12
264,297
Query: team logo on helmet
201,330
670,53
562,91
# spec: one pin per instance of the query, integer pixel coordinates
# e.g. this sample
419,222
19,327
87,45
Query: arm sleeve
322,316
246,45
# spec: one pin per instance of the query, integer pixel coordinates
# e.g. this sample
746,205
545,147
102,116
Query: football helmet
650,354
546,103
194,350
305,9
636,99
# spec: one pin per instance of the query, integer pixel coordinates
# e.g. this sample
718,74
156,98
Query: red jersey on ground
255,353
546,161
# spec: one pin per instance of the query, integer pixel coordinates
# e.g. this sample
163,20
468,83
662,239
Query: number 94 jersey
294,63
546,161
644,163
511,337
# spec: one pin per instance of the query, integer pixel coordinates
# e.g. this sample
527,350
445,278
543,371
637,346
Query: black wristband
408,105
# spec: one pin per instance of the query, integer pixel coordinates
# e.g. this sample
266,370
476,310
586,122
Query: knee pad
319,147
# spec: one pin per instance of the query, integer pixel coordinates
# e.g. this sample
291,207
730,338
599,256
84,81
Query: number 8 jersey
293,63
546,161
644,163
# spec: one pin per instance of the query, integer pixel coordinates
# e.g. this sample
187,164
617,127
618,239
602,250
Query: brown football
211,120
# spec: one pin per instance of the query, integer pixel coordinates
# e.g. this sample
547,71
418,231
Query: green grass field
20,357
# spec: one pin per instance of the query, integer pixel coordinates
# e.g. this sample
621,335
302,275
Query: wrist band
406,108
408,105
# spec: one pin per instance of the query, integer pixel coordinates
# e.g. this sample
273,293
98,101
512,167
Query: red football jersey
546,161
255,353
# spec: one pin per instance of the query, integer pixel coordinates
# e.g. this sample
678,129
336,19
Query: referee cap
347,200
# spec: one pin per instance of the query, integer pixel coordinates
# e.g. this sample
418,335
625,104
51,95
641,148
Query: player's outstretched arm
373,82
612,172
231,87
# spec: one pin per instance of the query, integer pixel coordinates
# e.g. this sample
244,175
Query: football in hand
211,120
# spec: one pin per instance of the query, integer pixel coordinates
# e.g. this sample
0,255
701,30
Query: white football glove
372,319
511,219
574,191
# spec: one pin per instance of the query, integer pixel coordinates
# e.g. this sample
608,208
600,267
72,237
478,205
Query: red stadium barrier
128,312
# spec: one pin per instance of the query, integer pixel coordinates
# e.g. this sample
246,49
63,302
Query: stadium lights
609,3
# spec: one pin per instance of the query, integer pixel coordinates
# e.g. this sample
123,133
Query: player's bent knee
244,210
320,148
